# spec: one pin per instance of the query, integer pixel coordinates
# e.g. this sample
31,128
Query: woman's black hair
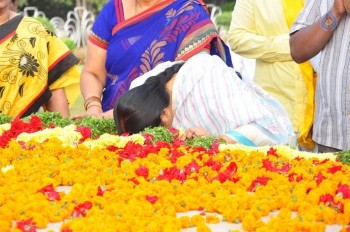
142,106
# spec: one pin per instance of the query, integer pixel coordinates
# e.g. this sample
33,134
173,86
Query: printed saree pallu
169,31
32,62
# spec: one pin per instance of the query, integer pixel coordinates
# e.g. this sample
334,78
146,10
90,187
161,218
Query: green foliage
4,119
98,126
60,8
96,5
228,6
160,133
202,142
163,134
224,19
344,157
51,118
46,23
69,43
51,8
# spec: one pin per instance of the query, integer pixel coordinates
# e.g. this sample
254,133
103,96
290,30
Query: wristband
329,22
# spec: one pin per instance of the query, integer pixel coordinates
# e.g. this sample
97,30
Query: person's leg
325,149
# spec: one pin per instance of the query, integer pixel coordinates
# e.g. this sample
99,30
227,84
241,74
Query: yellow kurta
259,30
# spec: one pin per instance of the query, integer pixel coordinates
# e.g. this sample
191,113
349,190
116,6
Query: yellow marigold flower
185,221
212,219
163,164
5,225
344,229
207,172
197,220
248,222
182,161
342,219
329,215
203,228
40,219
163,152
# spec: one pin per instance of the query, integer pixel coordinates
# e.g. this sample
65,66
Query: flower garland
136,183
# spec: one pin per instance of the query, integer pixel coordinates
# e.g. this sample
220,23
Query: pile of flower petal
65,175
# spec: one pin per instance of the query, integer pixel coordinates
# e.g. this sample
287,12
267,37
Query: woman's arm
58,103
309,41
93,80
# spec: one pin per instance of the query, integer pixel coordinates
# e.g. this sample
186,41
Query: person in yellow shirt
260,30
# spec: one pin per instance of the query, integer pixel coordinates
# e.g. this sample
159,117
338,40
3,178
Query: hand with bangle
93,107
92,101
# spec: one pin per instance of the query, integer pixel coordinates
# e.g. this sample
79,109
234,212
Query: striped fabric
332,120
209,94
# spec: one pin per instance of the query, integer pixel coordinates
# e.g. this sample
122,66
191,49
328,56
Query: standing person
131,37
260,30
36,68
204,96
324,27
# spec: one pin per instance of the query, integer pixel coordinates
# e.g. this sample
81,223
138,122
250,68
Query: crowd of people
164,63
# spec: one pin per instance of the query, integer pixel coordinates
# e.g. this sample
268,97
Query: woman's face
168,113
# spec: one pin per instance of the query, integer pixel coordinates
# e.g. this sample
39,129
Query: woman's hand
58,103
195,132
95,112
347,5
341,7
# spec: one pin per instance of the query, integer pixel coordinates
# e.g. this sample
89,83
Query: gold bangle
91,99
89,106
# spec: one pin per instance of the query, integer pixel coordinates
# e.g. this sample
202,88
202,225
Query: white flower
7,168
4,127
68,135
107,140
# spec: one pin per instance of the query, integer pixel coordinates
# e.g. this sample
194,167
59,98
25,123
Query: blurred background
60,8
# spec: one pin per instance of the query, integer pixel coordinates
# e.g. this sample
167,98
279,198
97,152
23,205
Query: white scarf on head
154,72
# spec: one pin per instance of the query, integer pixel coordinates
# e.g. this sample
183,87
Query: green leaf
98,126
201,142
5,119
160,133
344,157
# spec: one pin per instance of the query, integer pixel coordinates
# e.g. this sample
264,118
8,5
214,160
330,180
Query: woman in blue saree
130,38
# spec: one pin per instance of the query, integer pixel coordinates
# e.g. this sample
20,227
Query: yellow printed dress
33,61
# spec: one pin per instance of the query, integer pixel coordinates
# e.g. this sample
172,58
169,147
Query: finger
188,134
183,136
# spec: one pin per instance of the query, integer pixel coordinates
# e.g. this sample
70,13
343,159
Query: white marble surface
220,227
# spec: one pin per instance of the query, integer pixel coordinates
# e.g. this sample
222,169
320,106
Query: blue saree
169,31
